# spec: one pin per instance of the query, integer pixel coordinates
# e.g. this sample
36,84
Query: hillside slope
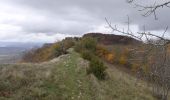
111,39
65,78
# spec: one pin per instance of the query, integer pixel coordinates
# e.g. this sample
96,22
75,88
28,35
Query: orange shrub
123,60
48,51
135,67
101,51
110,57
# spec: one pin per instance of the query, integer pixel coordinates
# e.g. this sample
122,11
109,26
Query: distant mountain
20,44
109,39
12,52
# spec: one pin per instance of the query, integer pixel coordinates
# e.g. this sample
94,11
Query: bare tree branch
138,35
157,50
149,10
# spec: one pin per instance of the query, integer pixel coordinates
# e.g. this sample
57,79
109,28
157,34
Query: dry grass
65,78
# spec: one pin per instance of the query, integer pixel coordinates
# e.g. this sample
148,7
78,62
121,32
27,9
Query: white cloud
12,20
104,28
34,37
12,33
40,20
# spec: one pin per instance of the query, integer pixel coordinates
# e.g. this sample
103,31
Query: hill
111,39
51,50
65,78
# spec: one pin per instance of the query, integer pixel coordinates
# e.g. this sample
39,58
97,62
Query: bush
78,47
123,60
48,51
97,68
135,67
68,42
110,57
101,51
58,49
87,55
89,43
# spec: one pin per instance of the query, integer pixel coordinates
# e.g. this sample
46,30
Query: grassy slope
65,78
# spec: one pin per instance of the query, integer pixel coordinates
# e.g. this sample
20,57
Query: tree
157,51
150,9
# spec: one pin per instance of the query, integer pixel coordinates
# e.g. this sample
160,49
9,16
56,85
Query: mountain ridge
110,39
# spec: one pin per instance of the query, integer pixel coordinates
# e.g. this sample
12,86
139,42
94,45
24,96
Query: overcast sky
52,20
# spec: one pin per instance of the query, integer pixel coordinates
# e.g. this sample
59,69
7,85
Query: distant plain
9,55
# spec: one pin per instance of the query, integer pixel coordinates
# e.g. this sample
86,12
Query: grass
65,78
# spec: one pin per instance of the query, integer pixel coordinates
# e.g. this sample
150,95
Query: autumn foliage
48,51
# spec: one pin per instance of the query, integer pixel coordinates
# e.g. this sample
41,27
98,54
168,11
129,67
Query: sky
52,20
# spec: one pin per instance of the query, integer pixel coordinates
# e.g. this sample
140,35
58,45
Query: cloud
44,20
37,38
15,34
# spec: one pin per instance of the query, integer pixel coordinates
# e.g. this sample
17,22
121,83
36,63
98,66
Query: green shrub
97,68
89,43
87,55
78,47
